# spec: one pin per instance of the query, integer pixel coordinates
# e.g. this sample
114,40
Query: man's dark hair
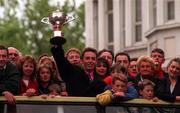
89,49
106,50
122,53
2,47
133,59
158,50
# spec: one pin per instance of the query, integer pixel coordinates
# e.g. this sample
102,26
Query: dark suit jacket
77,81
163,91
9,79
138,78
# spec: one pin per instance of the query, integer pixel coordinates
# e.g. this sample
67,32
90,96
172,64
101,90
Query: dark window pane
170,10
138,10
109,4
138,33
110,28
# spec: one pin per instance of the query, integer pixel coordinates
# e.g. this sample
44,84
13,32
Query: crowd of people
102,74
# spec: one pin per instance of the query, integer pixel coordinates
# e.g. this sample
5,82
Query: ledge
161,27
91,101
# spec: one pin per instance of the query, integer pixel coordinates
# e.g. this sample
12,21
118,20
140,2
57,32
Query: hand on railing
9,97
30,92
155,99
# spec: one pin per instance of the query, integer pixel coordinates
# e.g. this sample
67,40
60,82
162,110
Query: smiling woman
102,68
28,83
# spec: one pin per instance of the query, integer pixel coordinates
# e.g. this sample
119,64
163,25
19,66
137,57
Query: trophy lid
58,12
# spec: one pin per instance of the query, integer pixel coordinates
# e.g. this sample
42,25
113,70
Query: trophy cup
57,20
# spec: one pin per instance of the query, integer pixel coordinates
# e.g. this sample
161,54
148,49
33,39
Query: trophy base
57,40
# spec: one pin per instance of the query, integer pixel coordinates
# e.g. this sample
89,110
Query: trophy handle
69,19
45,20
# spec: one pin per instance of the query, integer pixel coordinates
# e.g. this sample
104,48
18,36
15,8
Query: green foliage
36,32
74,31
11,30
29,35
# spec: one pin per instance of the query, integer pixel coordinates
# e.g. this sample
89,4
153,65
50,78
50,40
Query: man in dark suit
9,78
80,81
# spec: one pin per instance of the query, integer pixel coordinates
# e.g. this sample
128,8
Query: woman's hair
42,55
145,59
47,67
52,65
177,60
105,63
144,83
29,59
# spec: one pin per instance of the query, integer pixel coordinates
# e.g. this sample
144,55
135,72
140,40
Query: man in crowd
79,81
108,55
14,54
132,70
73,55
123,59
9,78
157,55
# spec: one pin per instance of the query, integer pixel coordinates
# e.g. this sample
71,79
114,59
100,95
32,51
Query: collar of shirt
3,67
90,75
159,73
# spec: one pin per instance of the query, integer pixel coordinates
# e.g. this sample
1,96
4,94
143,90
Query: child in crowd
45,78
47,60
47,84
117,93
146,90
55,90
116,68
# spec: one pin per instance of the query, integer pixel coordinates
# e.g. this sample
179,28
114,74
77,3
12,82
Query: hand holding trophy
57,20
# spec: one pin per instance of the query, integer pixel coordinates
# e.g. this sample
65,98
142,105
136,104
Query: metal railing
78,104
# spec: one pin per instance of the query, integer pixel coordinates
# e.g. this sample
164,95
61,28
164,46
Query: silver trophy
57,20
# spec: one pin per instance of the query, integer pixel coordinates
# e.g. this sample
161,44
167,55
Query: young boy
117,93
146,90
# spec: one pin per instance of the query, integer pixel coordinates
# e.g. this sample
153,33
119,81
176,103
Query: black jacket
164,89
77,81
9,79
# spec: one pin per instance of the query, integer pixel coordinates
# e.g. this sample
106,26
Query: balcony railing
37,104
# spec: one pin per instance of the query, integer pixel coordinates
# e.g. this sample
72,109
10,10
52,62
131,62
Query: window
122,12
138,33
170,10
154,12
138,21
110,22
110,28
95,14
138,10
